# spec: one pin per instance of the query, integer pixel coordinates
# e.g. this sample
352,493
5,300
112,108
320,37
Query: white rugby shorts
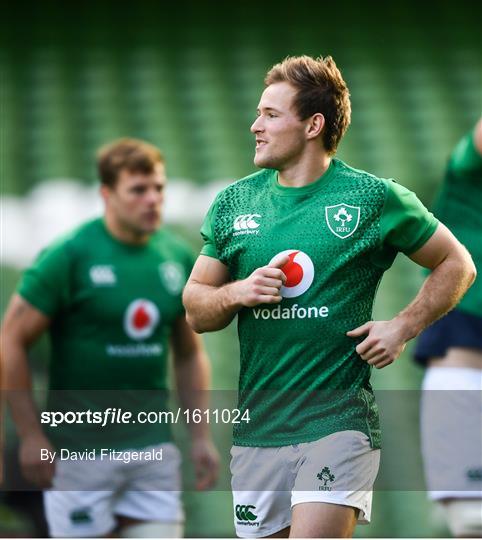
147,490
268,481
451,432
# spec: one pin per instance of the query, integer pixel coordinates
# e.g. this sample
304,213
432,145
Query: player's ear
105,191
315,126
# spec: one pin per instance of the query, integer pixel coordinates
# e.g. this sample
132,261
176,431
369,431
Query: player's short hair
132,155
320,89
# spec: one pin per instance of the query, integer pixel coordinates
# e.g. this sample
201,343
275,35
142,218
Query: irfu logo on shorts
81,516
475,474
245,516
325,476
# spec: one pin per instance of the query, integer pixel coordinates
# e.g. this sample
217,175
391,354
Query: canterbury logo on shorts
244,513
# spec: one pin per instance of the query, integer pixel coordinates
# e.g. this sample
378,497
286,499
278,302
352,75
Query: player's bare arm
192,375
452,273
478,137
212,300
22,325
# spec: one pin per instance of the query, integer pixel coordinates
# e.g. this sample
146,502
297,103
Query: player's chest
133,287
328,230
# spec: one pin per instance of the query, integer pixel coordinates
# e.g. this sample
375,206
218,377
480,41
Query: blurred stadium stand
189,80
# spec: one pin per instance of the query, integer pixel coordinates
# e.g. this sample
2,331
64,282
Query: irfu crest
326,476
173,276
342,219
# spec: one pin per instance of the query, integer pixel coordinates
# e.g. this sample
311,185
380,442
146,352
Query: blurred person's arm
192,376
452,273
22,325
478,137
467,155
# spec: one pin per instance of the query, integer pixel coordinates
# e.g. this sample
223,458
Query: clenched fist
263,285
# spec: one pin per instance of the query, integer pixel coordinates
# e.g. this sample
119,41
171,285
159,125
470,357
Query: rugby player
109,294
297,251
451,351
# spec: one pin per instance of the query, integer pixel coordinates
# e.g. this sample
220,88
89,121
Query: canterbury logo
103,275
243,512
246,221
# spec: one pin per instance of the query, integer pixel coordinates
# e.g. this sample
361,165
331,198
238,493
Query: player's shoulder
366,185
77,238
248,184
466,158
359,176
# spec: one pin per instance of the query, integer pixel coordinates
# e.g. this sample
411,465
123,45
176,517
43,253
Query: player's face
135,201
280,134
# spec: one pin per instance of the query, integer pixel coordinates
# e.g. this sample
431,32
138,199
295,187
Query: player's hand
263,285
35,470
384,342
205,458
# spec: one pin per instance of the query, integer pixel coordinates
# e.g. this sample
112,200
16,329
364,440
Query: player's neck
305,170
124,234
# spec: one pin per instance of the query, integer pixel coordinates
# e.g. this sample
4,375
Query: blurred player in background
451,351
297,251
109,294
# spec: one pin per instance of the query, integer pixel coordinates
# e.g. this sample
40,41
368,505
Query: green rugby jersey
112,307
300,376
459,206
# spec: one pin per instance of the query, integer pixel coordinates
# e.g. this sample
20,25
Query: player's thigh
464,517
133,528
451,409
79,514
152,491
80,501
323,520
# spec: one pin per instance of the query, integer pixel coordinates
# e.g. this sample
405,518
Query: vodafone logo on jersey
141,318
299,272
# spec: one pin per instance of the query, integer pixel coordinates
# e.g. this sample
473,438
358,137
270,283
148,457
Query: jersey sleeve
45,284
207,232
465,158
405,223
